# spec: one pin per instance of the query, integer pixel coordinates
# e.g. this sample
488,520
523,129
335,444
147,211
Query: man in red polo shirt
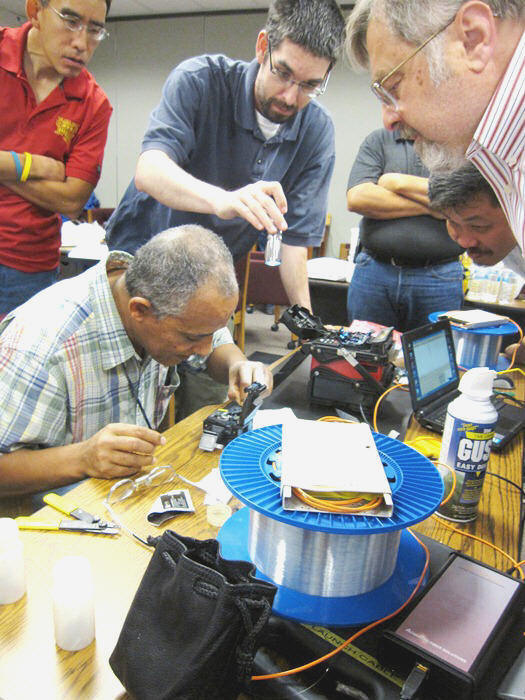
52,136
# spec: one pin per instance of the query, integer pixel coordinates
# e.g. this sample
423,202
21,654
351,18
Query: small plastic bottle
507,286
73,604
474,284
12,569
493,285
466,444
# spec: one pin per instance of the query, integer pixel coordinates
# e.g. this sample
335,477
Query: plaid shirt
62,379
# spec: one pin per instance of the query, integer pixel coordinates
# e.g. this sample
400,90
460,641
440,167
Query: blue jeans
402,296
17,287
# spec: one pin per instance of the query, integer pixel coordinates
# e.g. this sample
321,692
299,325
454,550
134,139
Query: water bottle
493,277
474,284
12,569
507,287
272,252
466,444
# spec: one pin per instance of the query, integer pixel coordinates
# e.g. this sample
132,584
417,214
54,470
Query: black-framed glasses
286,79
382,94
74,24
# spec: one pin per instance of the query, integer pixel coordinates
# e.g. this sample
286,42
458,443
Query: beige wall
133,63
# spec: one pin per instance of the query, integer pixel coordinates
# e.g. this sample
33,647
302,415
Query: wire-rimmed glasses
94,31
127,487
382,94
286,79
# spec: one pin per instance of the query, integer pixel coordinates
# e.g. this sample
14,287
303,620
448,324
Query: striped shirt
497,149
62,360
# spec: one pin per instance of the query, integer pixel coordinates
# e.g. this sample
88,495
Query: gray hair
412,20
318,26
458,188
174,264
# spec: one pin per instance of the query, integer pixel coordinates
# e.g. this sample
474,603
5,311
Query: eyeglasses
286,79
74,24
126,487
382,93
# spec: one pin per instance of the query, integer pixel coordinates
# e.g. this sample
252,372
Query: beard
267,108
438,158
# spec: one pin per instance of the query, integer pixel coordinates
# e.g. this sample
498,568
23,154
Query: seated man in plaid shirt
87,366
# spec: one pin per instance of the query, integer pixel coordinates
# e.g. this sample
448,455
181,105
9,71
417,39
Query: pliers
83,521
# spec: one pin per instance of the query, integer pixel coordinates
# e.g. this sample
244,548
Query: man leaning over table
87,366
53,131
476,221
450,72
244,147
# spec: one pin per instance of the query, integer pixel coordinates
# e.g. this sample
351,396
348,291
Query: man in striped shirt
87,366
450,73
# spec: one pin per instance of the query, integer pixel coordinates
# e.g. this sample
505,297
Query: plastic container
73,603
12,568
466,444
507,287
493,284
272,252
474,284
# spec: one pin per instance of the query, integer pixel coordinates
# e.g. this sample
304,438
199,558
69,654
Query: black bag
193,627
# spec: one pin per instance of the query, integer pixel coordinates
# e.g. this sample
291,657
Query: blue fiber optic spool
330,569
479,347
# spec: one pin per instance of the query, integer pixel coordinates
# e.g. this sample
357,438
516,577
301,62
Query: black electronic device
459,628
349,369
225,424
511,421
433,380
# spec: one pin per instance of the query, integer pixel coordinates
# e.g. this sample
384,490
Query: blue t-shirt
206,123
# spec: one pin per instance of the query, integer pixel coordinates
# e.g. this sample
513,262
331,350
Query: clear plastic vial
272,252
12,569
73,603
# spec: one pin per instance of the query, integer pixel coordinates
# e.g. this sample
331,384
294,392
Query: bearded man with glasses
244,147
52,134
450,73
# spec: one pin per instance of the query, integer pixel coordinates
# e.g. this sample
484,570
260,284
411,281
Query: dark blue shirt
206,123
409,237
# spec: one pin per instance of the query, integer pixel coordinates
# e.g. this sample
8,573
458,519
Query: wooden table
30,663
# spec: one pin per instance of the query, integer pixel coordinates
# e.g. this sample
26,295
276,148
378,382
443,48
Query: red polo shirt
69,125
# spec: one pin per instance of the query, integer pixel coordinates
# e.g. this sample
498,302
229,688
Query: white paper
331,456
216,489
331,269
273,416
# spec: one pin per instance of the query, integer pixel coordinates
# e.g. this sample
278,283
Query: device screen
457,615
433,362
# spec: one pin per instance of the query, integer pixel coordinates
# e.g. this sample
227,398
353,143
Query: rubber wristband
27,167
18,165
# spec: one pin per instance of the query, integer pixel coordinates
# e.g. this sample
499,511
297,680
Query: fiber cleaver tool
226,423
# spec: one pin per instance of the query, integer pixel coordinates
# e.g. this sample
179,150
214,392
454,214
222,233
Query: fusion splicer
349,369
225,424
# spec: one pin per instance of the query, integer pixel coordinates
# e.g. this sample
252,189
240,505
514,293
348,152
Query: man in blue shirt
244,147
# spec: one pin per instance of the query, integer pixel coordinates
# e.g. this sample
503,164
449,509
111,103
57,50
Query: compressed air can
466,444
